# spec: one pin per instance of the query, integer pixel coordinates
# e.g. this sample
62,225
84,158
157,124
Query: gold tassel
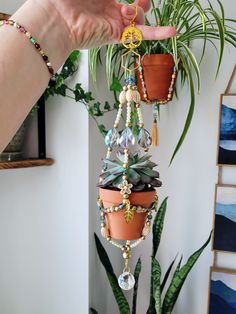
155,135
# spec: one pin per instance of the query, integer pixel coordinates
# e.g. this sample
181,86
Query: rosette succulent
140,173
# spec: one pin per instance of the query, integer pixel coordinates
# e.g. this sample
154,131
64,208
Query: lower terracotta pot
157,73
117,226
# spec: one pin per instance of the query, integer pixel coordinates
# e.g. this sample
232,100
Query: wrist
41,19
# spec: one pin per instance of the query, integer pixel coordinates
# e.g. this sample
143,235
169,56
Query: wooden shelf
27,163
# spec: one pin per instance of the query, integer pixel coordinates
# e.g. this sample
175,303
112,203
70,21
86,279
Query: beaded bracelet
32,40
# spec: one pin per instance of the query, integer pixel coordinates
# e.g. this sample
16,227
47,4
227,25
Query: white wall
44,222
44,218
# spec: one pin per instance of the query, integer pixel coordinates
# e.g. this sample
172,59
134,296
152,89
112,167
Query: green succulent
140,172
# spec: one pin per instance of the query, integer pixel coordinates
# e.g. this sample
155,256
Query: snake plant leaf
179,279
92,311
167,274
157,232
158,226
118,293
189,118
137,271
178,267
156,277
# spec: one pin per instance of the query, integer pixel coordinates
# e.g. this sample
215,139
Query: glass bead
144,138
126,281
126,139
111,137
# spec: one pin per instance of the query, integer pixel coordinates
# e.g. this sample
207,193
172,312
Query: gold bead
143,237
126,255
145,95
116,125
169,96
126,196
137,105
134,87
125,88
148,223
146,150
141,76
108,238
141,125
109,149
125,177
103,225
125,166
173,76
126,150
127,125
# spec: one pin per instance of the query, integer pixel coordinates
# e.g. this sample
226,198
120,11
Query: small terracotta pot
118,228
157,72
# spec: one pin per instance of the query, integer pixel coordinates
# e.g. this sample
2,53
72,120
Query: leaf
179,279
156,278
133,176
107,106
167,274
191,107
158,226
92,311
157,232
102,129
93,60
137,271
118,293
150,172
115,85
128,214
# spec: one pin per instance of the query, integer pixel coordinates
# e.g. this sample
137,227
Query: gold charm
129,213
131,37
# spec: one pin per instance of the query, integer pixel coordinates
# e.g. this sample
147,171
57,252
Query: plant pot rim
136,192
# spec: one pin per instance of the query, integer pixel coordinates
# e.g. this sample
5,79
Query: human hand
94,23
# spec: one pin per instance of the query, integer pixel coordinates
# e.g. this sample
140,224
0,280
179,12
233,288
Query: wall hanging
127,184
222,291
222,286
163,61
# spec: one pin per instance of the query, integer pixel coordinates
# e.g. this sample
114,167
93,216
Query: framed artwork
222,291
227,131
225,219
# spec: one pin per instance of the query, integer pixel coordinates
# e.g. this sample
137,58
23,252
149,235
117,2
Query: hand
92,23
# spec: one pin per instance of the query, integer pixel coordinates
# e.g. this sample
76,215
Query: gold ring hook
135,14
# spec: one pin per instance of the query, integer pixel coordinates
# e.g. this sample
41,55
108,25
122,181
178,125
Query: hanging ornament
129,98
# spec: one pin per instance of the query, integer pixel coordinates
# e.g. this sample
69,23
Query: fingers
128,13
157,33
144,4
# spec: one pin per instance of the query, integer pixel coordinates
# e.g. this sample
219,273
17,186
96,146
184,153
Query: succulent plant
139,172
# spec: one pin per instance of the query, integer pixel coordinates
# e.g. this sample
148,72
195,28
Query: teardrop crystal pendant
126,281
111,137
144,138
126,139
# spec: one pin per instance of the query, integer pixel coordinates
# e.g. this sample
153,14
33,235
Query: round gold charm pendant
132,37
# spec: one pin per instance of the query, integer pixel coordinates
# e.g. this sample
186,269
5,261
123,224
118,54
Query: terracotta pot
116,223
157,72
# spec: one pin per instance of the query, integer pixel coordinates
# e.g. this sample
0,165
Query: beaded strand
32,40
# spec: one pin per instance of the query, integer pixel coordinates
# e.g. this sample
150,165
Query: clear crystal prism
144,138
126,139
112,137
126,281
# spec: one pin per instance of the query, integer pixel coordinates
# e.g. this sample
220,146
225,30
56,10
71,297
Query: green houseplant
193,22
162,298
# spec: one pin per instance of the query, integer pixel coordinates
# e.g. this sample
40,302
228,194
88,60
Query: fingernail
130,10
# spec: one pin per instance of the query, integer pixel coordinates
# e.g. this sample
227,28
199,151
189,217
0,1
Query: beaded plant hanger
131,39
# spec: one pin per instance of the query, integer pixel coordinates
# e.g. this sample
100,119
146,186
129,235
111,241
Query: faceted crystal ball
111,137
144,138
126,139
126,281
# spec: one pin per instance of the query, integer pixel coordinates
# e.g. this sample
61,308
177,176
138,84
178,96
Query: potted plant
162,60
162,297
143,179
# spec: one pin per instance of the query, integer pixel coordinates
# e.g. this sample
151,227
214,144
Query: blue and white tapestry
227,143
225,219
222,293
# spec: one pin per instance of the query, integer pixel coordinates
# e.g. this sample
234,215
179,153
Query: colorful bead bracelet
32,40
